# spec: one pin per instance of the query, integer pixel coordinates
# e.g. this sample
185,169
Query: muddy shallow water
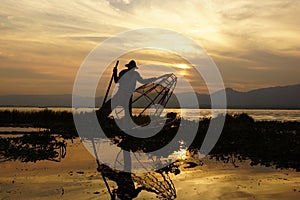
76,177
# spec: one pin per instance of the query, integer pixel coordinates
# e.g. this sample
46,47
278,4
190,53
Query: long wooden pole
93,142
103,176
109,85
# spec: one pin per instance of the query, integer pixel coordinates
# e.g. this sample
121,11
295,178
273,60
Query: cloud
25,74
244,37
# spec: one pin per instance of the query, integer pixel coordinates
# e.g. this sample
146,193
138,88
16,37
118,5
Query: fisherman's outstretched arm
145,81
149,80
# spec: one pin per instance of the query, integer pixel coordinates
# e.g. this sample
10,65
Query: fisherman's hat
131,64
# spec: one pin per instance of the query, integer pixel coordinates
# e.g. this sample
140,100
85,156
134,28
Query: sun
183,66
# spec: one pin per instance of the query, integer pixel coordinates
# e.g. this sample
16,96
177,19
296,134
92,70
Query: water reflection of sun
181,153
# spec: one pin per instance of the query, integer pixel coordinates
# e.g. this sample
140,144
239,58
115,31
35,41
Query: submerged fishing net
159,183
129,185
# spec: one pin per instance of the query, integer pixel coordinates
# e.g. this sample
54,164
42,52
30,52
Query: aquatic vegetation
268,143
32,148
56,122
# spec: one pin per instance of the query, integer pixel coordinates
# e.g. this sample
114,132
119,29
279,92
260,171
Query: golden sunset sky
43,42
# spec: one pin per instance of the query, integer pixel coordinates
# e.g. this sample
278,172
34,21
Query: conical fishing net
154,95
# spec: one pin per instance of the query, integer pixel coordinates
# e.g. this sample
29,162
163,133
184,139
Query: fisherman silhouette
127,80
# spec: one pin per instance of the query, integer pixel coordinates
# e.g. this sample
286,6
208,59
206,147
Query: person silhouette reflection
126,189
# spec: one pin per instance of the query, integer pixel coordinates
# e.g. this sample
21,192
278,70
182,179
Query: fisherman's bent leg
105,110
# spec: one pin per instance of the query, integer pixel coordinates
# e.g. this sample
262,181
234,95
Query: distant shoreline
185,113
204,107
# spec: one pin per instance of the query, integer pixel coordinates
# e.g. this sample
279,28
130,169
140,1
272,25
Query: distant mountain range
285,97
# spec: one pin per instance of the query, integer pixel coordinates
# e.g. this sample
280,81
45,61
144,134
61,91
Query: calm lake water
194,114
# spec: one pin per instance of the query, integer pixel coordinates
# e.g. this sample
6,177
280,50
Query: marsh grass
267,143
